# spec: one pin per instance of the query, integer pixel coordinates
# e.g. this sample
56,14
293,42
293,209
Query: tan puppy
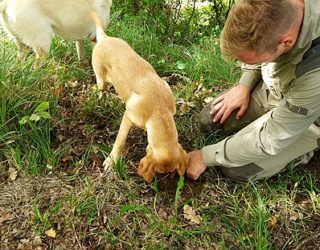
34,22
150,104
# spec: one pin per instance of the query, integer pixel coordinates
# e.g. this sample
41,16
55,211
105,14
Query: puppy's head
155,162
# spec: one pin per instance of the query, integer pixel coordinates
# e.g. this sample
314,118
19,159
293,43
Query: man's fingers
218,99
218,116
241,111
216,108
226,115
195,172
196,165
193,176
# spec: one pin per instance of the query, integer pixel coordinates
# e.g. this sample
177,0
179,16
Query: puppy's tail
100,34
3,6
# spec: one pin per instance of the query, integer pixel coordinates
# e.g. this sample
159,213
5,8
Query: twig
6,143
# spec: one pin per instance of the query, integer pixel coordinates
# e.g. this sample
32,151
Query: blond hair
256,25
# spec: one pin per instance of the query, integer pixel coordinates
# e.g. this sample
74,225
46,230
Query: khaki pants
261,103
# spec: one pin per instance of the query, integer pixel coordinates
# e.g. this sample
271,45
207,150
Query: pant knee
249,172
206,120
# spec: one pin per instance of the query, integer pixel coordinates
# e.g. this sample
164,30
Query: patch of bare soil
19,200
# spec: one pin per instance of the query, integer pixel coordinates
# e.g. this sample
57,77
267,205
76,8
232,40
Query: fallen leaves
190,214
12,174
162,214
29,244
296,216
273,221
51,233
184,106
6,217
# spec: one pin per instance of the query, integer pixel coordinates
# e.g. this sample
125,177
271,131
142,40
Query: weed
121,168
179,189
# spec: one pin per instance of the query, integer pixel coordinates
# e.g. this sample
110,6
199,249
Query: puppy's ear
182,166
181,170
146,170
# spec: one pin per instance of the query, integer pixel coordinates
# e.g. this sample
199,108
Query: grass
61,185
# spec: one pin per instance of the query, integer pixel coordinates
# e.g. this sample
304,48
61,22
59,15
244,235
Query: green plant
180,186
120,168
44,220
40,113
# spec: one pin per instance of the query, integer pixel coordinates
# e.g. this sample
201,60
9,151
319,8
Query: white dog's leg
40,56
22,50
81,53
41,46
125,126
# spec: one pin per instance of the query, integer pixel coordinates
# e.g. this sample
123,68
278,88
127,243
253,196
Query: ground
77,206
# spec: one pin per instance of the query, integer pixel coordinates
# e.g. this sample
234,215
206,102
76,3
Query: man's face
250,56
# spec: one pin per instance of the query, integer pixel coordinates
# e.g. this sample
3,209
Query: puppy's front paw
108,164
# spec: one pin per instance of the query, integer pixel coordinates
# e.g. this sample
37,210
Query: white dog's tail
100,34
3,6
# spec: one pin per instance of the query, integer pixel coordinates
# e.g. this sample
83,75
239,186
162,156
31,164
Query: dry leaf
25,244
162,214
12,174
37,241
296,216
73,84
208,99
184,108
58,91
190,214
273,221
60,137
6,217
51,233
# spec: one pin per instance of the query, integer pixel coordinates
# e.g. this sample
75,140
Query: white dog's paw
108,164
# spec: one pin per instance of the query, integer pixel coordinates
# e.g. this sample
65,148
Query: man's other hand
237,97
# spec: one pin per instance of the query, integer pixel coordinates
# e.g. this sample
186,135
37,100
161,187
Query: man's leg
298,153
261,101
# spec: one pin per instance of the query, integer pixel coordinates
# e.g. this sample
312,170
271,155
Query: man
276,105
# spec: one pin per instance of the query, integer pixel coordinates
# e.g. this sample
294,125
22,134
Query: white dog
33,23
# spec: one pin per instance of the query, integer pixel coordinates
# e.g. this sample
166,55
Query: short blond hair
256,25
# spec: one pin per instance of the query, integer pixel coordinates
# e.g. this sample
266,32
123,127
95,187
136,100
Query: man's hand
237,97
196,165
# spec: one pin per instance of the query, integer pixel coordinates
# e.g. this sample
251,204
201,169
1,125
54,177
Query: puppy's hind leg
125,126
101,74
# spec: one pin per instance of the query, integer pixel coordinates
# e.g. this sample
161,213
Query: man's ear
286,41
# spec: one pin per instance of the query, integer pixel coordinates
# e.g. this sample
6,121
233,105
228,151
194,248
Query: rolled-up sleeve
251,75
